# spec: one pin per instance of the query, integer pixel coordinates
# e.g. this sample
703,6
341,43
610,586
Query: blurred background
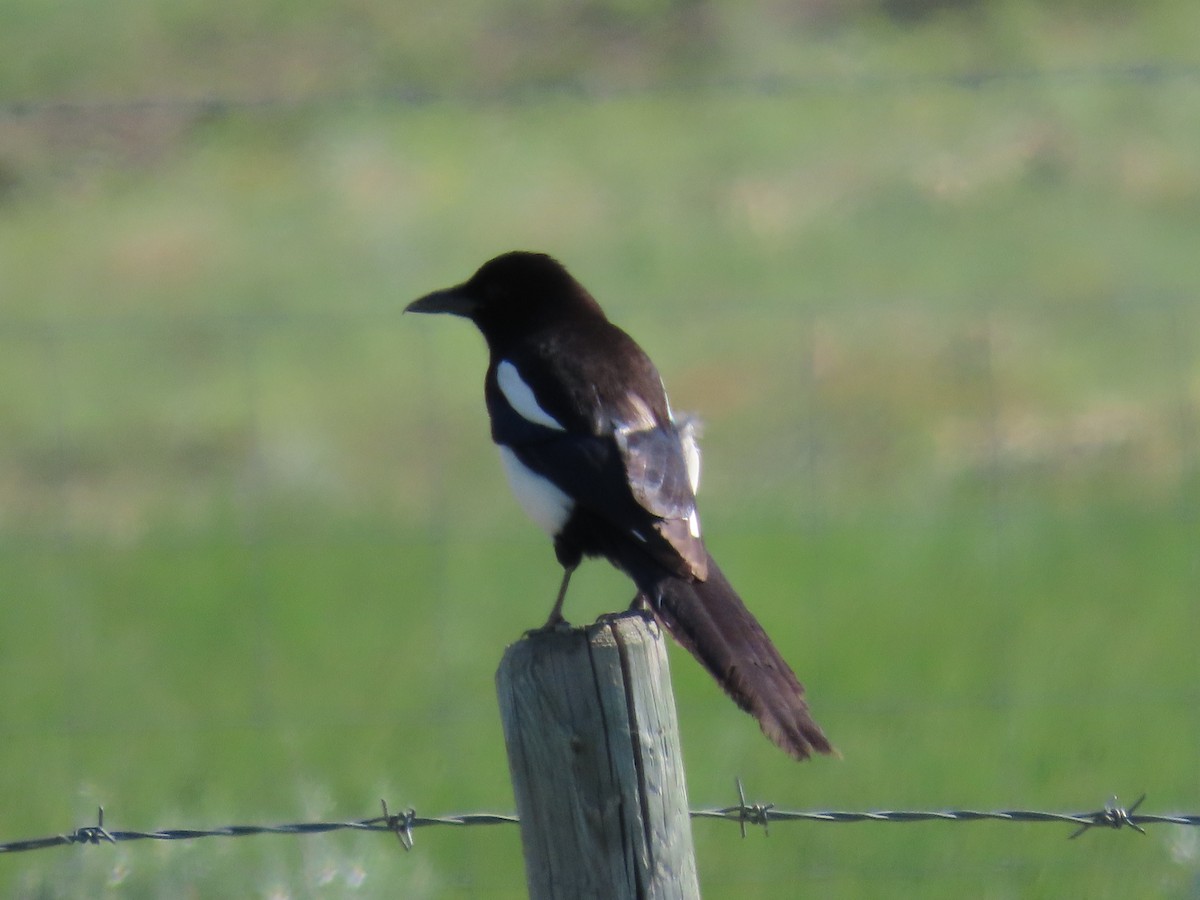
927,269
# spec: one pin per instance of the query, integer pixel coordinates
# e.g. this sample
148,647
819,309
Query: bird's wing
610,453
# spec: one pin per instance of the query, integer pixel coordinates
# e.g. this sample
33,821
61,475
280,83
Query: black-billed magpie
596,457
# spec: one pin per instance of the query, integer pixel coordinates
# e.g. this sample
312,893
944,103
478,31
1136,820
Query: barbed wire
1111,816
400,824
403,824
769,84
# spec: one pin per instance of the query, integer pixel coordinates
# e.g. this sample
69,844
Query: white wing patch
539,497
520,397
689,429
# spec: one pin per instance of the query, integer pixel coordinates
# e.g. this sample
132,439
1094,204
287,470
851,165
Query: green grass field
258,562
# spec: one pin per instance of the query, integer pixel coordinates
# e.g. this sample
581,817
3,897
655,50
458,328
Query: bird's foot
554,623
634,609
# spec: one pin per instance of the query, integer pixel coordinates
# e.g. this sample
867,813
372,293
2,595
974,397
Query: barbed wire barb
758,814
1113,816
400,824
92,834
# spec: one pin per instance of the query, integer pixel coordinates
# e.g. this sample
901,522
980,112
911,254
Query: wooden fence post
593,748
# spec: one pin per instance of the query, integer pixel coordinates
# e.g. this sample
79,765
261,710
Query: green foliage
258,560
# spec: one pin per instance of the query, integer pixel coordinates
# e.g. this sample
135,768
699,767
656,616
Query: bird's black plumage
597,458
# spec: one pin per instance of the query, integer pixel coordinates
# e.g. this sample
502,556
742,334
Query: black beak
455,301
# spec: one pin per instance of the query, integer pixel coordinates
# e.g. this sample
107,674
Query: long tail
710,621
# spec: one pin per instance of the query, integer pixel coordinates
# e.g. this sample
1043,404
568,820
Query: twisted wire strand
1112,816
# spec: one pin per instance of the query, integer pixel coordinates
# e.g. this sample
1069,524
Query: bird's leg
640,604
556,616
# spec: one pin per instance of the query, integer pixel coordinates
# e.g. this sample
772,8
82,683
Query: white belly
542,501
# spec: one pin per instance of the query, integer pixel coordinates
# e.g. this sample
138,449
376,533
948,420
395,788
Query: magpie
597,458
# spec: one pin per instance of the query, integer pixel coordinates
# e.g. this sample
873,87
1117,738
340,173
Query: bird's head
511,293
